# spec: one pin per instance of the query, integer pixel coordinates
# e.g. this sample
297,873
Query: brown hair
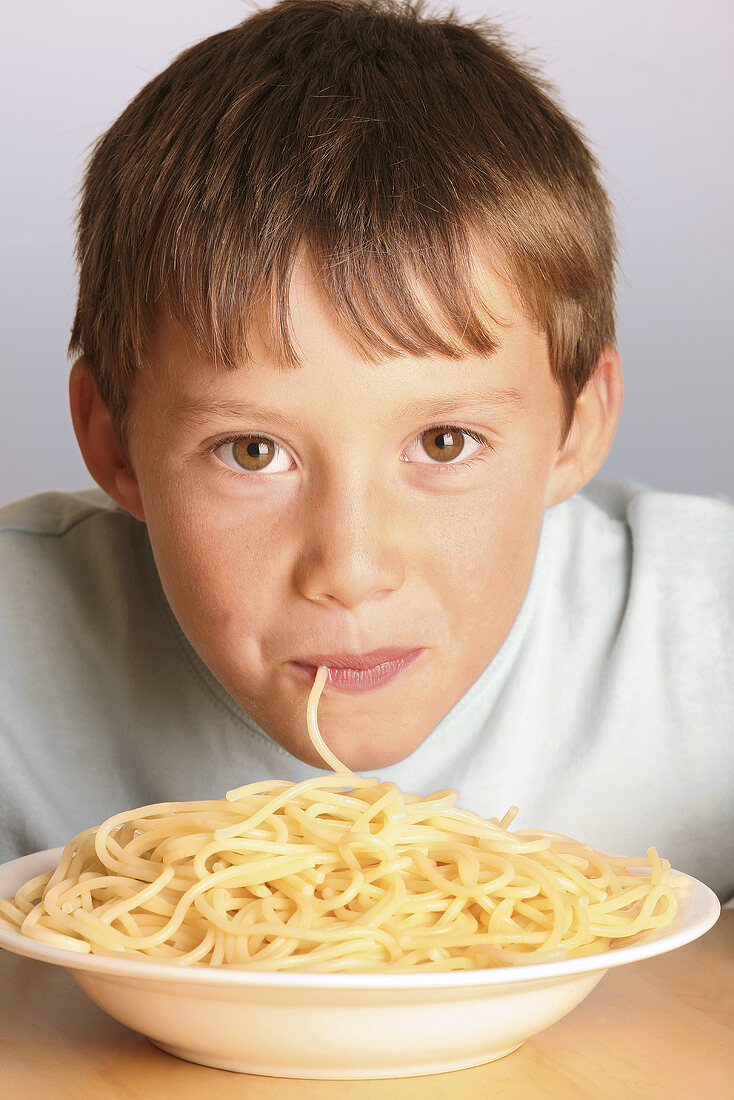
378,136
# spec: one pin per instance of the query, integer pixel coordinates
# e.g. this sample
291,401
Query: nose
352,550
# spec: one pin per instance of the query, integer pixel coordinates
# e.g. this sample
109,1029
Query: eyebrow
489,400
188,411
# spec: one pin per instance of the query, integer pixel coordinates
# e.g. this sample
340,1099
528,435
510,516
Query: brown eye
253,452
443,444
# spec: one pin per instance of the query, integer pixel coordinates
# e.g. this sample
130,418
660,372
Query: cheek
483,545
222,566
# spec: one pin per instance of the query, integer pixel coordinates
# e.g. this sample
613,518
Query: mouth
353,672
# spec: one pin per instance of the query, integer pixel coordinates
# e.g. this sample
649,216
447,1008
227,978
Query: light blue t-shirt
607,715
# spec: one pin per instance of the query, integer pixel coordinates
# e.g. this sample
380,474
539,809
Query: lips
356,660
353,672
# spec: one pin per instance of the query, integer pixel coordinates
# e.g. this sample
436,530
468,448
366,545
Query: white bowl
341,1025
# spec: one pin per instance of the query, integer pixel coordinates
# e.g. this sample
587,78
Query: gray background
650,81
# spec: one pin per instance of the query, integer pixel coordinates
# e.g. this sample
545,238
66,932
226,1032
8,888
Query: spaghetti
338,873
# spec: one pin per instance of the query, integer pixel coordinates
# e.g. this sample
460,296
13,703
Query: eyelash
443,467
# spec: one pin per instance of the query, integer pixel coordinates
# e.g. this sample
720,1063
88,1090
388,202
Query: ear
96,438
592,431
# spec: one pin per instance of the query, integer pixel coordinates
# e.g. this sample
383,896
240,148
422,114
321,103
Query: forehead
186,380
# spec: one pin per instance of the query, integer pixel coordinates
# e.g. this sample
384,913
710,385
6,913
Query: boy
346,361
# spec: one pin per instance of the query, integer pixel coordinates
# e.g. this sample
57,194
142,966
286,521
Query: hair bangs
387,297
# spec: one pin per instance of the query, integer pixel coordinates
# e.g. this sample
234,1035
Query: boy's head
346,327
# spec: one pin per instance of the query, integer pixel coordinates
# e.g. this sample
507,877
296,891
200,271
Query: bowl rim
698,914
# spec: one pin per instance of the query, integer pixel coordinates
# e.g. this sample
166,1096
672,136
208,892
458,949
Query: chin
372,758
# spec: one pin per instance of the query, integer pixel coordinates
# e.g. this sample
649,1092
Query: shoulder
60,549
663,561
48,531
656,524
673,536
660,564
56,513
661,515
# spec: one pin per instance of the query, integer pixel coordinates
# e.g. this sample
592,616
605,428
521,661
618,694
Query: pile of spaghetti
338,873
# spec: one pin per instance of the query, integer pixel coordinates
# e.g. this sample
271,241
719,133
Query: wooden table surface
659,1028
